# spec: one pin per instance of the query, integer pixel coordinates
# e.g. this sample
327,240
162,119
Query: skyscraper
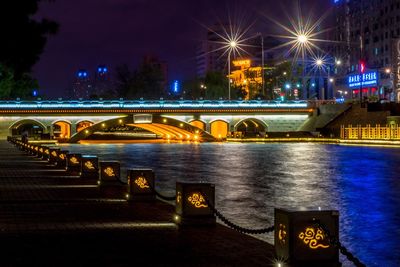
82,86
368,31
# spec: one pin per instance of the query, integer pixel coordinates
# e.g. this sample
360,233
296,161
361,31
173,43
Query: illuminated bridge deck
22,107
50,219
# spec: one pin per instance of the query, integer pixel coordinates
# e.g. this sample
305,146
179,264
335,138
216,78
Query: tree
278,76
147,81
23,41
217,85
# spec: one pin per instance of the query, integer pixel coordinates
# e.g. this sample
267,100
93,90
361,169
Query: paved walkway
50,219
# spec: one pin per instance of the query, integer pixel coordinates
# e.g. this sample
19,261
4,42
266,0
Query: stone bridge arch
163,127
33,127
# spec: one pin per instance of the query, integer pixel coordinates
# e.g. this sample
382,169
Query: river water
363,183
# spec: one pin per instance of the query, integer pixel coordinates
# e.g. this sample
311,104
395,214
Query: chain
234,226
166,198
335,242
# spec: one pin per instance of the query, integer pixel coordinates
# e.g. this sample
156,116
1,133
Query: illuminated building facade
246,77
369,31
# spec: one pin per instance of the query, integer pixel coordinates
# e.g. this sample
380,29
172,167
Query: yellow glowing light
109,171
54,154
319,62
197,200
103,125
178,197
312,239
242,63
282,234
120,121
165,120
86,131
89,165
302,38
142,182
233,43
197,131
47,151
181,125
188,136
196,137
74,160
61,156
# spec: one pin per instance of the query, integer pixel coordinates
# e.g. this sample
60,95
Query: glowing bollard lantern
300,242
53,155
40,152
61,161
89,167
109,181
141,185
192,204
46,153
74,164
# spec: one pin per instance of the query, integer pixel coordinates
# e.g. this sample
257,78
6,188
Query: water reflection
252,179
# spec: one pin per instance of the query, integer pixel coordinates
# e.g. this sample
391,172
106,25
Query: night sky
113,32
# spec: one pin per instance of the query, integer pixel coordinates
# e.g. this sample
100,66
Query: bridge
74,121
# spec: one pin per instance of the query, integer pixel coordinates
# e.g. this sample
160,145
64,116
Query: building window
376,51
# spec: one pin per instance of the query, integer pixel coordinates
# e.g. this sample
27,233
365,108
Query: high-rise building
102,86
368,32
82,86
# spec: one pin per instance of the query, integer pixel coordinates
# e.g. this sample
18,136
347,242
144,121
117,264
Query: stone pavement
50,219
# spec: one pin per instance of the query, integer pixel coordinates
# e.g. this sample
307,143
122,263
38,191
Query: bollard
46,153
109,182
61,161
192,204
39,153
89,167
300,242
53,155
74,164
141,185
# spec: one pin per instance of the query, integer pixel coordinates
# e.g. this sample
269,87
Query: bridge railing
150,104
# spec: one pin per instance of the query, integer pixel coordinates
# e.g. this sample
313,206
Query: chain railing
234,226
335,242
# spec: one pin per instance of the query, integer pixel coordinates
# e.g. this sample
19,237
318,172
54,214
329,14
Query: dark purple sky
112,32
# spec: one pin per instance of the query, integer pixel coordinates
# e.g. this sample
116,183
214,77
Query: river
252,179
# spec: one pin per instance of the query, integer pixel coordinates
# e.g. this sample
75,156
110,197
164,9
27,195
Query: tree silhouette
23,41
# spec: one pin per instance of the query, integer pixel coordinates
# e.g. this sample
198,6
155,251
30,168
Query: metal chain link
234,226
166,198
335,242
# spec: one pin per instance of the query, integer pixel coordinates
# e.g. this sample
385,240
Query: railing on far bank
387,132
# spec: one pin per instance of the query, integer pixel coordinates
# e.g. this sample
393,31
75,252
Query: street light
232,46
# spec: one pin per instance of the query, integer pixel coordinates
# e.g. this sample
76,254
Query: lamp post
232,46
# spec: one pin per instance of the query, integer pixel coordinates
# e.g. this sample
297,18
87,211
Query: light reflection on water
252,179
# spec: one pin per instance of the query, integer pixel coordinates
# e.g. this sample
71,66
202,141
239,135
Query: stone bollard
53,156
299,241
73,164
61,161
141,185
192,208
89,167
109,181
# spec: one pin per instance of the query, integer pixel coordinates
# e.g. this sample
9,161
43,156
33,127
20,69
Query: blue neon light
365,80
175,87
121,105
34,93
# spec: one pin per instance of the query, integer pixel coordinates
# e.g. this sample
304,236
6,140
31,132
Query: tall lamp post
232,46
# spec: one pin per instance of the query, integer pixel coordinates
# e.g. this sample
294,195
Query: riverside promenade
50,219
